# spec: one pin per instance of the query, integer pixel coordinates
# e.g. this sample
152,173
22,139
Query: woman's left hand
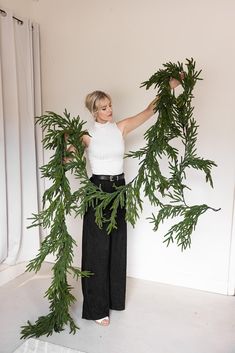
175,83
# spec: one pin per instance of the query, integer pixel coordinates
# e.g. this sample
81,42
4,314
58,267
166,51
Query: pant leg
118,252
105,256
95,258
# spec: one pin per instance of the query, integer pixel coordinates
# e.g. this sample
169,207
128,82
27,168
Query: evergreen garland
175,123
58,202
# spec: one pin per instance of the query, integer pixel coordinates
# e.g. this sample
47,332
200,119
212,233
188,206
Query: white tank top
106,149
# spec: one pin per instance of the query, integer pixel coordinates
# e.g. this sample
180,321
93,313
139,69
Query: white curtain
20,101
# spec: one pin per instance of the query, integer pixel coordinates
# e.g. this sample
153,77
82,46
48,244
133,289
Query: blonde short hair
92,99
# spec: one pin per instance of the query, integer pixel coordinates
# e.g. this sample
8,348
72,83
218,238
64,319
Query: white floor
158,318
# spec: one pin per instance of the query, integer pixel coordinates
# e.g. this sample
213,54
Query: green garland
175,122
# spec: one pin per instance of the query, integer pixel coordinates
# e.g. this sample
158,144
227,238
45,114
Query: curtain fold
37,112
19,195
3,195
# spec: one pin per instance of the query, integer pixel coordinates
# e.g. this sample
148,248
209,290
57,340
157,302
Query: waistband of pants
109,177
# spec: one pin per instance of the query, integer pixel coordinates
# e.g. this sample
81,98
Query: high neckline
100,125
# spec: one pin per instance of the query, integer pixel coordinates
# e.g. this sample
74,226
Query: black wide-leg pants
104,255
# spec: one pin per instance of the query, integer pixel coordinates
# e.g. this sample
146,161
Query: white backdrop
19,103
114,46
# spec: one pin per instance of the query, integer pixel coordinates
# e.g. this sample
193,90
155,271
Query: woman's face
104,111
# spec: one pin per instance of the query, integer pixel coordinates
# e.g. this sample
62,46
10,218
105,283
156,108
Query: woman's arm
129,124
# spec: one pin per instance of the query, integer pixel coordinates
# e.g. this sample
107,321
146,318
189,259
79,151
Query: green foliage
175,123
58,201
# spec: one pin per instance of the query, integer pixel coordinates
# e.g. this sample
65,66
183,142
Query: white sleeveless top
106,149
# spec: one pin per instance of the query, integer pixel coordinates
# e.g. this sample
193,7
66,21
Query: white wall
21,8
114,46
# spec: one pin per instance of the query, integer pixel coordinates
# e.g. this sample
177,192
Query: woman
103,254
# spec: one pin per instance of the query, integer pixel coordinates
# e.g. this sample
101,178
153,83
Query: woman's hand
66,136
175,83
71,148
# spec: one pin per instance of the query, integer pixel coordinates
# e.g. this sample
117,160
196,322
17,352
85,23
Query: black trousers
105,256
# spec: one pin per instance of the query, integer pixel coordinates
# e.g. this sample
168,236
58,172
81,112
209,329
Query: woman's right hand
71,148
174,82
66,136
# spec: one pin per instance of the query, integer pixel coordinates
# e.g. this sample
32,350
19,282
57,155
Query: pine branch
182,231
